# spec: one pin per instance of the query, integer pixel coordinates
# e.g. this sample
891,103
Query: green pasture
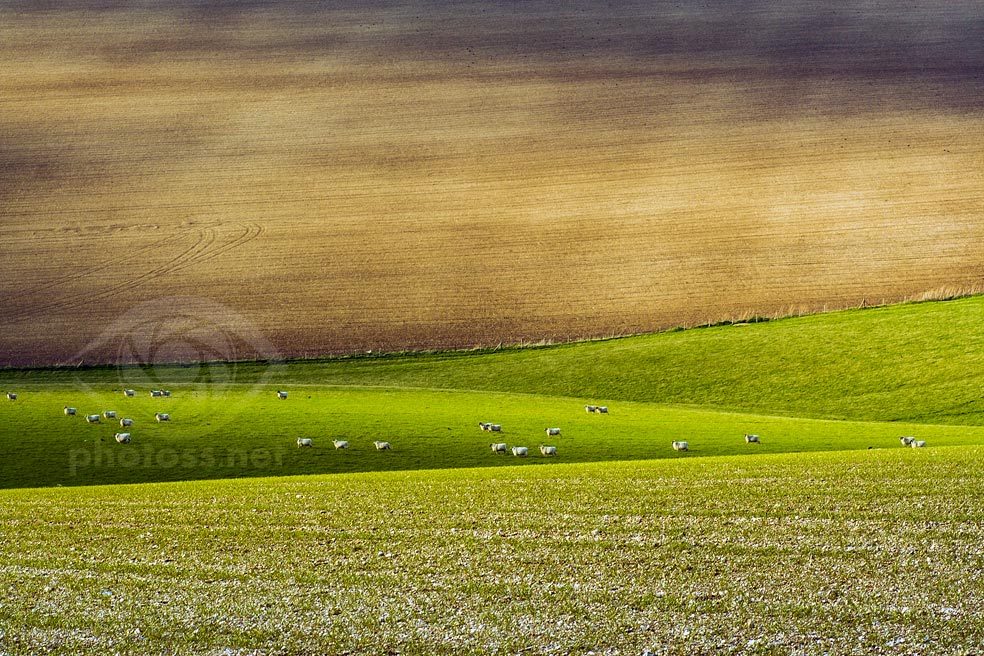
249,432
828,537
842,381
863,552
914,362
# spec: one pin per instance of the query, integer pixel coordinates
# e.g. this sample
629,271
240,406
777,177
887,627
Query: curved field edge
355,175
872,552
915,362
247,432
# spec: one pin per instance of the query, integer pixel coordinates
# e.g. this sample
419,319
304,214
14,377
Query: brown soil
417,176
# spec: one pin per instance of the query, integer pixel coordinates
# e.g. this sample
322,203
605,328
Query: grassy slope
870,552
908,369
840,552
912,362
243,432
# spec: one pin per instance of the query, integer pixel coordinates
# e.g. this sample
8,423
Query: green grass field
847,380
245,433
822,553
250,434
829,537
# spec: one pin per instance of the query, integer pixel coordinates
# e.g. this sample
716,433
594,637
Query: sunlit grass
917,362
862,552
245,431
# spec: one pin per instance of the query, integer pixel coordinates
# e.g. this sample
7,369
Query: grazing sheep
125,421
281,395
70,411
602,409
11,396
918,443
123,438
304,441
553,431
548,450
751,439
340,444
162,416
907,441
92,419
382,446
156,393
681,446
129,392
492,428
498,447
519,451
166,392
109,414
590,408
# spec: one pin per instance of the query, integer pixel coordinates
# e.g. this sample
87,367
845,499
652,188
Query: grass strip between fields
913,362
247,432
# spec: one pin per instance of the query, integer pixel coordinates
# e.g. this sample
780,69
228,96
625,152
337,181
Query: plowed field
224,180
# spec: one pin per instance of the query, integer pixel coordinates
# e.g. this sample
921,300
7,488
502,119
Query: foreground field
872,552
350,176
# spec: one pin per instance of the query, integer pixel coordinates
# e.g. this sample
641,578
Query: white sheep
281,395
92,419
907,440
162,416
751,439
520,451
382,446
681,446
156,393
11,396
109,414
129,392
602,409
548,450
492,428
918,443
340,444
553,431
304,441
126,421
123,438
499,447
590,408
70,411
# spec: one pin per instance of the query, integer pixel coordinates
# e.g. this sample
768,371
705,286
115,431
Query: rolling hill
375,175
468,204
846,380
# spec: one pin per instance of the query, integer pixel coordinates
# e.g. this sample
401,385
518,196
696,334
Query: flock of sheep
522,451
500,447
125,422
497,447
